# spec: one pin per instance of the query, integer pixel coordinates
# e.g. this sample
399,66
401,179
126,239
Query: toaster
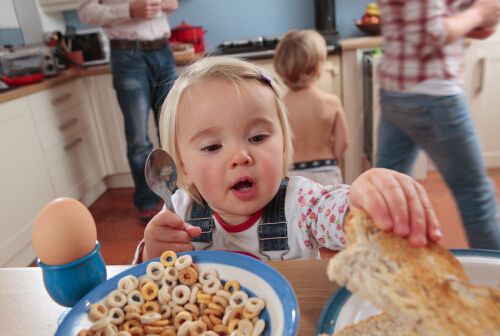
27,60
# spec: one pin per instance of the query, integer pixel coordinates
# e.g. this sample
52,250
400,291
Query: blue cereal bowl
281,314
68,283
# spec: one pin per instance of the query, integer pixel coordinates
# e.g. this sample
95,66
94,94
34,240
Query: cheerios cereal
175,298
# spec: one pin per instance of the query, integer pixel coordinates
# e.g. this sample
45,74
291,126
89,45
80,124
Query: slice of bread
424,288
378,325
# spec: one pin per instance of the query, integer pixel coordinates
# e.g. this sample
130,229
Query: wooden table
27,309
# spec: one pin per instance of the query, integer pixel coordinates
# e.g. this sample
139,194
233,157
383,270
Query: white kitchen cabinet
63,122
58,5
25,182
49,149
111,131
482,69
72,165
329,80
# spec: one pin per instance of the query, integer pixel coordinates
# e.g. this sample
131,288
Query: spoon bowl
161,175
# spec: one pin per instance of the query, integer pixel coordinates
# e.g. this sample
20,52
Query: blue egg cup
68,283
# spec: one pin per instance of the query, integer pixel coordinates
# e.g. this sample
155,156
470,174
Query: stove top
259,43
260,46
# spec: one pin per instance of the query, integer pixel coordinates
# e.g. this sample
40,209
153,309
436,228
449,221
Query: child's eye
258,138
211,148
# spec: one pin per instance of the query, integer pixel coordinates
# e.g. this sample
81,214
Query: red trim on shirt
239,227
245,253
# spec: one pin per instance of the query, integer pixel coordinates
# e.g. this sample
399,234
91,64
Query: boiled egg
64,231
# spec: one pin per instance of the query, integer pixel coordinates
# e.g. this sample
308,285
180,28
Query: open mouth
243,184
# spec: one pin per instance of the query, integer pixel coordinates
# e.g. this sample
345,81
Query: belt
136,44
314,164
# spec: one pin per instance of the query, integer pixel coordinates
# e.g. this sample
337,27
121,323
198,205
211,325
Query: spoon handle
168,204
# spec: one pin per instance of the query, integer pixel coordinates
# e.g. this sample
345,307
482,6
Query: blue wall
12,37
349,11
239,19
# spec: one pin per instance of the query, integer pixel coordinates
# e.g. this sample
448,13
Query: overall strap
201,216
273,229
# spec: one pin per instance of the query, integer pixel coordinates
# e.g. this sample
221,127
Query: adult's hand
169,6
145,9
489,11
167,232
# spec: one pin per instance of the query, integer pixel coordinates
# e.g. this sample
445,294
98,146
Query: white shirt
314,214
114,17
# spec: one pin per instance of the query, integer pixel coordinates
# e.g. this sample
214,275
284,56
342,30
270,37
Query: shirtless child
316,117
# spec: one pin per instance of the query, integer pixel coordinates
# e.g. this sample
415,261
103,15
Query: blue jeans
141,80
442,127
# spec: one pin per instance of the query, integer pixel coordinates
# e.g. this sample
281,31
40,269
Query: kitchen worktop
48,82
367,42
74,73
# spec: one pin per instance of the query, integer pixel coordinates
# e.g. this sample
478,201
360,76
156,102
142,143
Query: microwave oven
94,45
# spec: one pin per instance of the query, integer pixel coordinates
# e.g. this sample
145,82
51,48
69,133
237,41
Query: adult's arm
483,13
94,13
428,24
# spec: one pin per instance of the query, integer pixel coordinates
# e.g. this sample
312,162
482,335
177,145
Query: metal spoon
161,175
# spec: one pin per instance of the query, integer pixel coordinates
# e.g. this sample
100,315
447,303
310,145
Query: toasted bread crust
426,288
379,325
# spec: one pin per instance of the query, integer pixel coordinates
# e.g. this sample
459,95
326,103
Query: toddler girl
228,133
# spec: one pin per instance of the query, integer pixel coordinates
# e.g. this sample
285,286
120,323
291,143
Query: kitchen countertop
48,82
74,73
367,42
27,309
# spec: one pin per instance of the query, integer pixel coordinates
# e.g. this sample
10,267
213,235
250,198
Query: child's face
231,146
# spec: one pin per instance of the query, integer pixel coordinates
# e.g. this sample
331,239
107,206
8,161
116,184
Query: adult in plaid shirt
423,104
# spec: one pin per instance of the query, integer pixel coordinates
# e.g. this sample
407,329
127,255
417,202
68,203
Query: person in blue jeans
143,70
423,104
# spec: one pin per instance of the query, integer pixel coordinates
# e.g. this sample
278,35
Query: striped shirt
114,17
415,48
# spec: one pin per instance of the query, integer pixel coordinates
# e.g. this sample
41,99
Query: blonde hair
227,68
298,56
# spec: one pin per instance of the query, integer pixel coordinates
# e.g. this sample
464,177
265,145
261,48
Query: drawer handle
68,124
61,98
72,144
479,86
334,70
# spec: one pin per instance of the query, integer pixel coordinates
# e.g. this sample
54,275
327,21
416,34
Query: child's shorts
325,172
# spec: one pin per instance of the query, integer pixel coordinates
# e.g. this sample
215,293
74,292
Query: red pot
185,33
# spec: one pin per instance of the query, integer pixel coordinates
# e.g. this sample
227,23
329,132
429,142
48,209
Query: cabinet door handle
334,70
482,66
68,124
72,144
62,98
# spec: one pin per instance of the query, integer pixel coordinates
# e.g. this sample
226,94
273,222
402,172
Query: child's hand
397,203
167,231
